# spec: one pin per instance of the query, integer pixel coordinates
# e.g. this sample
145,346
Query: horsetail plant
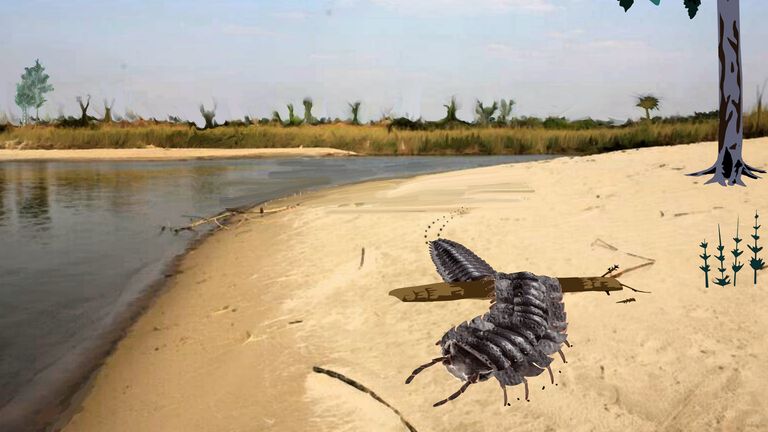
756,263
724,279
705,267
736,253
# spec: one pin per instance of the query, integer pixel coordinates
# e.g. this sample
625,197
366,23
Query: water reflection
2,195
32,197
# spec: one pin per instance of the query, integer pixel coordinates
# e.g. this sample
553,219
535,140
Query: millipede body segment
515,339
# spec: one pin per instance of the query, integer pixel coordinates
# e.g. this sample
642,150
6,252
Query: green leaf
692,6
704,268
626,4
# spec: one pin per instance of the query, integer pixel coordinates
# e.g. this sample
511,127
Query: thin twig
363,389
362,258
635,290
650,263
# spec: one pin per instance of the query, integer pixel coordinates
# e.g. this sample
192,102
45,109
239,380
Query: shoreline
53,408
165,154
226,315
54,405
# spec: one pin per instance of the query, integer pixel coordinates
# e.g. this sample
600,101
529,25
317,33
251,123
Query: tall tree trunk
648,114
730,166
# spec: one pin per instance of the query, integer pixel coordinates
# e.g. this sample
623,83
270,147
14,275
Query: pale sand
154,153
682,358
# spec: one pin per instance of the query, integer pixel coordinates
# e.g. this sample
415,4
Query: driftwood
220,219
483,289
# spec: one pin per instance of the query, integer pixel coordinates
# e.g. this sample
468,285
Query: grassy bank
371,139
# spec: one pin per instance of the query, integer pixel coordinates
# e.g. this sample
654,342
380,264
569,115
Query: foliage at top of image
31,90
691,5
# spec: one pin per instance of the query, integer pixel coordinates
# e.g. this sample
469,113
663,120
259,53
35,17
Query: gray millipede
514,340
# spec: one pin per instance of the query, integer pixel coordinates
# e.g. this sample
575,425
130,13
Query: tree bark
483,289
730,166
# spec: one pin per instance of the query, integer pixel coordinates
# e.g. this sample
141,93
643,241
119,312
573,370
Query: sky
573,58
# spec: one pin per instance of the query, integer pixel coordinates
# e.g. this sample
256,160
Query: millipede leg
422,367
455,395
551,376
525,381
562,356
504,389
567,344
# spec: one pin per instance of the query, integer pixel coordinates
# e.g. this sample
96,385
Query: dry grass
372,140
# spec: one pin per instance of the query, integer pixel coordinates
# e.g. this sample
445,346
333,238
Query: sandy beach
155,153
231,343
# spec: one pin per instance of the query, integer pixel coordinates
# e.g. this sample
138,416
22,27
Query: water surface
79,241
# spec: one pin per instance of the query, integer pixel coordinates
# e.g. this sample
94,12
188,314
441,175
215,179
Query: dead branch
363,389
483,289
220,219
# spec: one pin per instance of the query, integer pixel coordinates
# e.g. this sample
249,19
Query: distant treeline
399,136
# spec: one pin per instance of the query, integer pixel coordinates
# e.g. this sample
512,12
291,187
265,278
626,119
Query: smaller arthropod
514,340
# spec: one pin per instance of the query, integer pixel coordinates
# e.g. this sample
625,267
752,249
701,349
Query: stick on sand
483,289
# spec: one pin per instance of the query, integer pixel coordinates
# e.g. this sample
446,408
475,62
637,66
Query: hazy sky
575,58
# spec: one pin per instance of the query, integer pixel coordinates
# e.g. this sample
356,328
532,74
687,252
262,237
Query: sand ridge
223,349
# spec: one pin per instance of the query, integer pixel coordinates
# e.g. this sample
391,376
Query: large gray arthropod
515,339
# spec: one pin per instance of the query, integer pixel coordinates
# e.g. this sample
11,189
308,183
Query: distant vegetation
495,130
527,135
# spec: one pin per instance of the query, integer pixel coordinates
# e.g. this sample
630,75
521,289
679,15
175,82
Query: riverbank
232,342
161,154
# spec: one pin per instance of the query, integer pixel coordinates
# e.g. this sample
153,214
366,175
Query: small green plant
724,279
736,266
756,263
705,267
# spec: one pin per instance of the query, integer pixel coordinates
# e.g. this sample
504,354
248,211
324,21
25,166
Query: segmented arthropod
515,339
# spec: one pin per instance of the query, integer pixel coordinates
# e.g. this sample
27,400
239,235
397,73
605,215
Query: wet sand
230,345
